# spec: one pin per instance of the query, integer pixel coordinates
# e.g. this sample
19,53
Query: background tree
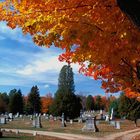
46,102
103,36
98,102
34,102
89,103
2,105
83,101
114,105
15,101
105,103
4,101
129,108
65,101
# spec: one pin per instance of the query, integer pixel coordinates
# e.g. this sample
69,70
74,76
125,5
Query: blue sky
22,65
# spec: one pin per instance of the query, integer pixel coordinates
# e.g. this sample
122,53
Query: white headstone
71,121
112,114
3,120
10,116
106,117
118,125
34,133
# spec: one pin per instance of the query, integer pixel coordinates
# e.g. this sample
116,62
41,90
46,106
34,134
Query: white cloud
43,68
48,64
14,34
46,86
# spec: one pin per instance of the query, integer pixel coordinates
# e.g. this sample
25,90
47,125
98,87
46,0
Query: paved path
127,135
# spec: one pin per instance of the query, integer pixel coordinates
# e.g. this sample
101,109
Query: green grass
75,128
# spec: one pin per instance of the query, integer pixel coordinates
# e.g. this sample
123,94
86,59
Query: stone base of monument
90,125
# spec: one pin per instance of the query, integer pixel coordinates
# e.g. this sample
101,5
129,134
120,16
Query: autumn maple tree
94,33
46,101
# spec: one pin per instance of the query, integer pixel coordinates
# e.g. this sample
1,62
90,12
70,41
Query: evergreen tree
89,103
2,105
129,108
34,102
15,101
65,101
4,100
114,104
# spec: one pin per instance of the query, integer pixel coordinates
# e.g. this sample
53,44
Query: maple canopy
94,32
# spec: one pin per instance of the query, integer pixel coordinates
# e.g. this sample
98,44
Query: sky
23,65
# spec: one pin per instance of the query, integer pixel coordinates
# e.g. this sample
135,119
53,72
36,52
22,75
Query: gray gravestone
3,120
97,122
37,122
80,120
47,117
113,123
118,125
63,121
90,125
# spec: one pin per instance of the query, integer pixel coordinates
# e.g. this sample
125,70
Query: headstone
36,114
17,115
21,116
63,121
37,122
7,117
118,125
3,120
47,117
51,117
106,117
90,125
71,121
80,120
34,123
34,133
31,117
10,116
44,115
113,123
97,122
112,114
101,111
55,118
17,131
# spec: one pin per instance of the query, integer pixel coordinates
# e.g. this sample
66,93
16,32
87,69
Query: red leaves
66,56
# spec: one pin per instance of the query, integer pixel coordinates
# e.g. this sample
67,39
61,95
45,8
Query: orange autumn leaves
46,102
90,31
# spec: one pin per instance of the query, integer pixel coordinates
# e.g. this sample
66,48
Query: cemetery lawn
13,136
76,128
